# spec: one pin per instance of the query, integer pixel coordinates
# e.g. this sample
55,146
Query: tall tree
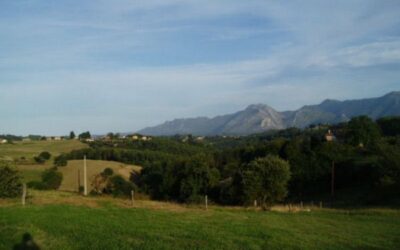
265,179
72,135
362,130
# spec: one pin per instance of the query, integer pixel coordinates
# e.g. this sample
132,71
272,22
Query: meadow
20,155
94,167
58,220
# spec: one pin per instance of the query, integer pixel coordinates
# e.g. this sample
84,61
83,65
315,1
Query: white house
330,136
3,141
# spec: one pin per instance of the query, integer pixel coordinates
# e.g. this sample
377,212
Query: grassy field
15,151
75,222
30,171
70,172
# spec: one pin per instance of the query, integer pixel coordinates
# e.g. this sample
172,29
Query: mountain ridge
256,118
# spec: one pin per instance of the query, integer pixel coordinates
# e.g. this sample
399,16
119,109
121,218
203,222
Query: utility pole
84,176
333,179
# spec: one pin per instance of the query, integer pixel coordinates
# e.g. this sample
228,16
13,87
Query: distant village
88,138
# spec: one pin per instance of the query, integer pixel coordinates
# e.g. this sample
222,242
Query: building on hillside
26,139
330,136
135,137
3,141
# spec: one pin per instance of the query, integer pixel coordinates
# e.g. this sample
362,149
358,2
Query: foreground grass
110,225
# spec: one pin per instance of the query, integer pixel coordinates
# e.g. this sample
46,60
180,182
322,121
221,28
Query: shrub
121,187
39,159
60,161
36,185
10,182
45,155
108,172
51,179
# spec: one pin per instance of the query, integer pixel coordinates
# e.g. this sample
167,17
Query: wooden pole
255,203
320,204
23,194
301,204
132,197
333,179
84,176
206,200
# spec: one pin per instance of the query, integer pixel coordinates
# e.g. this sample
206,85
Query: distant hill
259,117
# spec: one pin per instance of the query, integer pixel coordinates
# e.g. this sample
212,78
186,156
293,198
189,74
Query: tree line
364,154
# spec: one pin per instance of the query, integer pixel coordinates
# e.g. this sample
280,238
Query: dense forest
354,163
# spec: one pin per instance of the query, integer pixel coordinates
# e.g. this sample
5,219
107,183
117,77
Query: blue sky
122,65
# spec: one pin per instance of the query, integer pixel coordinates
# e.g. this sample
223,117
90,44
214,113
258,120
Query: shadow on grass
27,243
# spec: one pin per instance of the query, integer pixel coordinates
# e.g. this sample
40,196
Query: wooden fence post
255,203
132,197
320,204
301,204
206,200
85,190
23,194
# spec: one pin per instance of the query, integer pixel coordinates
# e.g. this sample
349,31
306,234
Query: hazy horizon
124,65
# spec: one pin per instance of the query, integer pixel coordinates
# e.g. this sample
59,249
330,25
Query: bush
108,172
51,179
39,159
121,187
36,185
10,183
45,155
60,161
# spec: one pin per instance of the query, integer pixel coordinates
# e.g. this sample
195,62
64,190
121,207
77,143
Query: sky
122,65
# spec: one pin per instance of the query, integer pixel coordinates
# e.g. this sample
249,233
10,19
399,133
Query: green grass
111,227
12,152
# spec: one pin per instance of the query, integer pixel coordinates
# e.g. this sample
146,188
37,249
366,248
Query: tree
390,126
72,135
85,135
362,131
10,182
265,179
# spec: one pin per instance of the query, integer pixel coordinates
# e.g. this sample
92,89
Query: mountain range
259,118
